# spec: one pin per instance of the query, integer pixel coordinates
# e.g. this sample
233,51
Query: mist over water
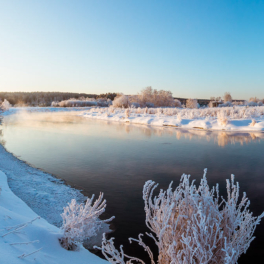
118,159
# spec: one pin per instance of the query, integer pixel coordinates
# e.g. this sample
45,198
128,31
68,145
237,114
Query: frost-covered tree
191,103
177,103
81,221
5,105
121,101
227,97
192,225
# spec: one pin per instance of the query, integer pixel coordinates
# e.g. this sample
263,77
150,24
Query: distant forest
46,98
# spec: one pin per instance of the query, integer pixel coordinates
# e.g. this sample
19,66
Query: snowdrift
36,242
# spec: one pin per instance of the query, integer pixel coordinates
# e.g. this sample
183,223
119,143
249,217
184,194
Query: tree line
46,98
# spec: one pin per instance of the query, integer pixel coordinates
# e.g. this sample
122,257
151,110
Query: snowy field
24,242
228,118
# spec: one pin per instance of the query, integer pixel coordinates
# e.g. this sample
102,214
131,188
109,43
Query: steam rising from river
72,122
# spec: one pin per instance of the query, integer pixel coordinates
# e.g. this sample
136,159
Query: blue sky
193,48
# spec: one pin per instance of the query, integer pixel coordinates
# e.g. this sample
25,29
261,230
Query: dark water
118,159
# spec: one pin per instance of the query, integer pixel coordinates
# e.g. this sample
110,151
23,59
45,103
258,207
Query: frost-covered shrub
223,114
81,221
177,103
179,116
103,101
191,103
5,105
192,225
222,118
55,104
127,113
153,98
121,101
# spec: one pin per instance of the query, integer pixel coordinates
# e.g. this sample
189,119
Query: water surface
118,159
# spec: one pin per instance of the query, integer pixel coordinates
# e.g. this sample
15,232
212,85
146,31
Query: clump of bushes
192,103
192,225
81,221
148,97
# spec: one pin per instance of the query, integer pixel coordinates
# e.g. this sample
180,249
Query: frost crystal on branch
193,225
81,221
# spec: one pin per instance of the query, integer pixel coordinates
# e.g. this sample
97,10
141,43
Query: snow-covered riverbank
228,119
43,195
42,192
44,236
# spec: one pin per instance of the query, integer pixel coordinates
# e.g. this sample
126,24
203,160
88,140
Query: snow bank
229,118
14,212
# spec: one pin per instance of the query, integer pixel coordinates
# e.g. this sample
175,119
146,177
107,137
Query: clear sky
193,48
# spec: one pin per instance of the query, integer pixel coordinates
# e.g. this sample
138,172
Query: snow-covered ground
15,246
228,118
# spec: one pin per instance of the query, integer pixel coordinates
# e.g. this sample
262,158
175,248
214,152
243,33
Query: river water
117,159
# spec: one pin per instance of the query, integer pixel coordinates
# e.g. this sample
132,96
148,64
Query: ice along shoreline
38,194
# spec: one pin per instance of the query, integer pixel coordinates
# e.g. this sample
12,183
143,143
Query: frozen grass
192,225
81,221
235,112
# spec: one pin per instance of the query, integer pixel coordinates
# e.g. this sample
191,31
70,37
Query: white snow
13,212
238,119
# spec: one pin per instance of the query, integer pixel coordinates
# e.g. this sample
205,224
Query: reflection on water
60,121
118,158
